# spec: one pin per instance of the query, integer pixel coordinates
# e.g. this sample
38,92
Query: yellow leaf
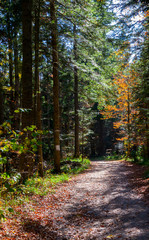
20,75
110,237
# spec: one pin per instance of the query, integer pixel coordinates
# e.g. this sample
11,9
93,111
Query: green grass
36,185
75,166
41,186
139,160
111,157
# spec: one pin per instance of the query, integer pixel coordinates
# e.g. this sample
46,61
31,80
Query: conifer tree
37,101
26,161
55,63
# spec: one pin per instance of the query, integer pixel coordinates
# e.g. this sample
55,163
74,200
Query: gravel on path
97,204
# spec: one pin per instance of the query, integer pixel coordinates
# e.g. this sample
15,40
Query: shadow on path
101,205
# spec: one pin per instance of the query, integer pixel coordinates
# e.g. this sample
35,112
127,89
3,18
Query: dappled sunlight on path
97,204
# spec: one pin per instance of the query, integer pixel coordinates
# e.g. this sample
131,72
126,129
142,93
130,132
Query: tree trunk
82,134
147,141
55,87
26,162
10,64
76,154
17,115
27,118
1,101
128,125
37,102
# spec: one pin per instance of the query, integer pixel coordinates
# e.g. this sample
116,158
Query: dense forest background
73,81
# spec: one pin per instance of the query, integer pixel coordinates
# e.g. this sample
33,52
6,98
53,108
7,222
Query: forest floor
105,202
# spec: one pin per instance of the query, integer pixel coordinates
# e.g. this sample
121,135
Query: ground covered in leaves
138,176
101,203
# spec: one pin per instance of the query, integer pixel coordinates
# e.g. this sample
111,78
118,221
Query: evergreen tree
26,161
55,88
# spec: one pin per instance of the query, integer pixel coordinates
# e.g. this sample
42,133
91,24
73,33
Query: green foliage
12,145
41,186
14,193
2,216
114,156
17,142
146,174
75,165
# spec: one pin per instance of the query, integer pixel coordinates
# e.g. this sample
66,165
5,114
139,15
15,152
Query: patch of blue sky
132,18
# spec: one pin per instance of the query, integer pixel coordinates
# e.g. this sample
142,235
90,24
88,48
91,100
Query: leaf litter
100,203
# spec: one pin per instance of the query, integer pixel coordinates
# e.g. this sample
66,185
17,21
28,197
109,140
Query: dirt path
98,204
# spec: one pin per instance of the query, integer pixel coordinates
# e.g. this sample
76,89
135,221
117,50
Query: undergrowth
13,194
111,157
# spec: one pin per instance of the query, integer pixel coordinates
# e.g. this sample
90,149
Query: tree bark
55,87
1,101
17,84
26,161
27,118
147,139
76,102
128,125
37,101
9,28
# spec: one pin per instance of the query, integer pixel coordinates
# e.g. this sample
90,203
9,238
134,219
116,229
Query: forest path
97,204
